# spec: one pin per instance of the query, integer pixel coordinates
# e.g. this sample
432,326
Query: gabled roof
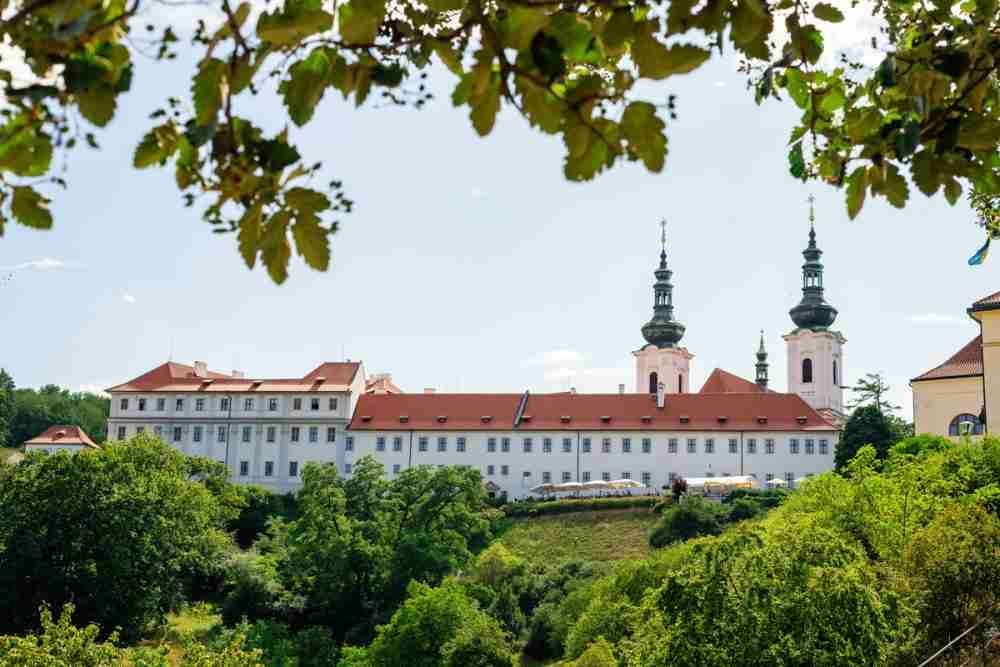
174,377
724,382
586,412
63,435
987,302
966,362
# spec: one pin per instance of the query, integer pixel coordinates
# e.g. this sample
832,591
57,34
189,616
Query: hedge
542,508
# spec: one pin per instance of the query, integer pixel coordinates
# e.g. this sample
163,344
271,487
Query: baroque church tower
815,351
661,360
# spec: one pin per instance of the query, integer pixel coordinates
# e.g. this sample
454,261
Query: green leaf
952,190
25,151
542,108
156,146
448,56
206,90
276,154
827,12
30,208
521,25
797,87
312,242
484,109
796,162
857,184
893,186
643,130
307,81
656,61
925,173
275,249
306,201
806,40
445,5
588,153
547,53
249,234
978,132
97,104
576,38
294,23
619,28
360,20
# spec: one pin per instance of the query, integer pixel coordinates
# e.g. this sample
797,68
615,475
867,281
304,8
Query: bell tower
815,351
661,360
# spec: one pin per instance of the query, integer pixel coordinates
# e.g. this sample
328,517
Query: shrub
742,509
691,517
528,508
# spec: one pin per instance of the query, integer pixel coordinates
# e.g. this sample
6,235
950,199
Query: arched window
680,384
965,424
654,382
807,370
836,380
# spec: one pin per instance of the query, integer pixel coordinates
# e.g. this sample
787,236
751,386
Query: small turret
761,365
663,331
812,312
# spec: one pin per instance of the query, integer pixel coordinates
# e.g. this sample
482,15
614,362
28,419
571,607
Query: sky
471,264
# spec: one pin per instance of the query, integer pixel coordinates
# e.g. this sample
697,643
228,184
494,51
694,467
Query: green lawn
602,536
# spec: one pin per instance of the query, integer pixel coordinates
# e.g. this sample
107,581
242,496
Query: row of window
273,404
293,468
245,433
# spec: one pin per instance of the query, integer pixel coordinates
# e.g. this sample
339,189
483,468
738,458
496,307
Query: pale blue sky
471,265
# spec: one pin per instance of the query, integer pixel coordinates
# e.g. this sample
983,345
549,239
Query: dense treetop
572,68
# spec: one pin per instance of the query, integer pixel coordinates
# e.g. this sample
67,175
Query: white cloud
558,357
43,264
94,388
477,193
933,318
128,298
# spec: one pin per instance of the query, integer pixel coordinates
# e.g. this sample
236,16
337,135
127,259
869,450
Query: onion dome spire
762,364
813,312
663,331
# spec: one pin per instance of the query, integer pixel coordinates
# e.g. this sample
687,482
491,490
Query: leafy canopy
578,70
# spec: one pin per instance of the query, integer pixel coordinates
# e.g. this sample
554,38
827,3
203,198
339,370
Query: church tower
661,360
761,365
815,351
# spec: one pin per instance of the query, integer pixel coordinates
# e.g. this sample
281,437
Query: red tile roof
586,412
381,384
63,435
967,361
172,377
724,382
991,301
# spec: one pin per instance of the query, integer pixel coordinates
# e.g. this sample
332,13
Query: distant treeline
24,413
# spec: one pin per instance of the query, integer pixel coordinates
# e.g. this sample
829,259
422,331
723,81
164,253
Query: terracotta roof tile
724,382
586,412
171,377
965,362
63,435
987,301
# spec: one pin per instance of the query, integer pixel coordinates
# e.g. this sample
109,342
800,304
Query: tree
570,69
872,389
868,426
36,410
119,532
6,409
691,517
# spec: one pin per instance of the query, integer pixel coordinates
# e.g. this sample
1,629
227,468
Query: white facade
815,368
671,366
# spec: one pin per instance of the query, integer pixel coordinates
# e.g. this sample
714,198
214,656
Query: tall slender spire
812,312
761,365
663,331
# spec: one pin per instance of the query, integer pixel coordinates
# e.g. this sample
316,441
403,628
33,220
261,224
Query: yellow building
962,395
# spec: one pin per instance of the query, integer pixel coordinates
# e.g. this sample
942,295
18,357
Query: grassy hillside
603,536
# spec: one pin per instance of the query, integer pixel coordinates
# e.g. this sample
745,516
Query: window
220,434
671,477
244,468
397,444
647,478
295,433
459,444
751,445
680,384
709,474
605,445
271,433
197,434
158,430
769,446
965,424
505,444
347,468
692,445
807,370
491,445
246,433
247,404
567,445
810,446
769,477
790,480
672,445
626,475
504,470
224,404
332,403
606,476
824,447
547,445
349,443
121,432
586,476
161,404
654,382
123,404
626,445
142,405
179,404
296,404
490,470
380,444
314,404
442,444
647,445
331,434
268,468
733,448
422,444
527,445
709,445
546,477
567,476
526,474
177,434
293,468
314,434
272,404
395,466
199,405
793,445
586,445
836,380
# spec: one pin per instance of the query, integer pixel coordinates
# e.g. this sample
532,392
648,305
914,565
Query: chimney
200,369
621,389
572,390
430,390
661,396
238,374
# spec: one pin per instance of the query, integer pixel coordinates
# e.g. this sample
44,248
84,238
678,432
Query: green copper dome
663,331
813,312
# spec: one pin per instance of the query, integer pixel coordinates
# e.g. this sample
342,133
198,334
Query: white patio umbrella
596,485
624,484
777,482
541,488
567,486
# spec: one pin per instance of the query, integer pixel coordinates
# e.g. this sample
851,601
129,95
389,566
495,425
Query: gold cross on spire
812,216
663,235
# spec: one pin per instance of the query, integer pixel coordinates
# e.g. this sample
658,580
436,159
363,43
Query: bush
260,507
765,499
528,508
742,509
691,517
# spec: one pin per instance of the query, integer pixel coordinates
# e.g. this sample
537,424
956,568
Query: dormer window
526,418
802,420
605,419
723,419
486,419
761,420
366,418
646,419
685,419
565,419
403,419
442,419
